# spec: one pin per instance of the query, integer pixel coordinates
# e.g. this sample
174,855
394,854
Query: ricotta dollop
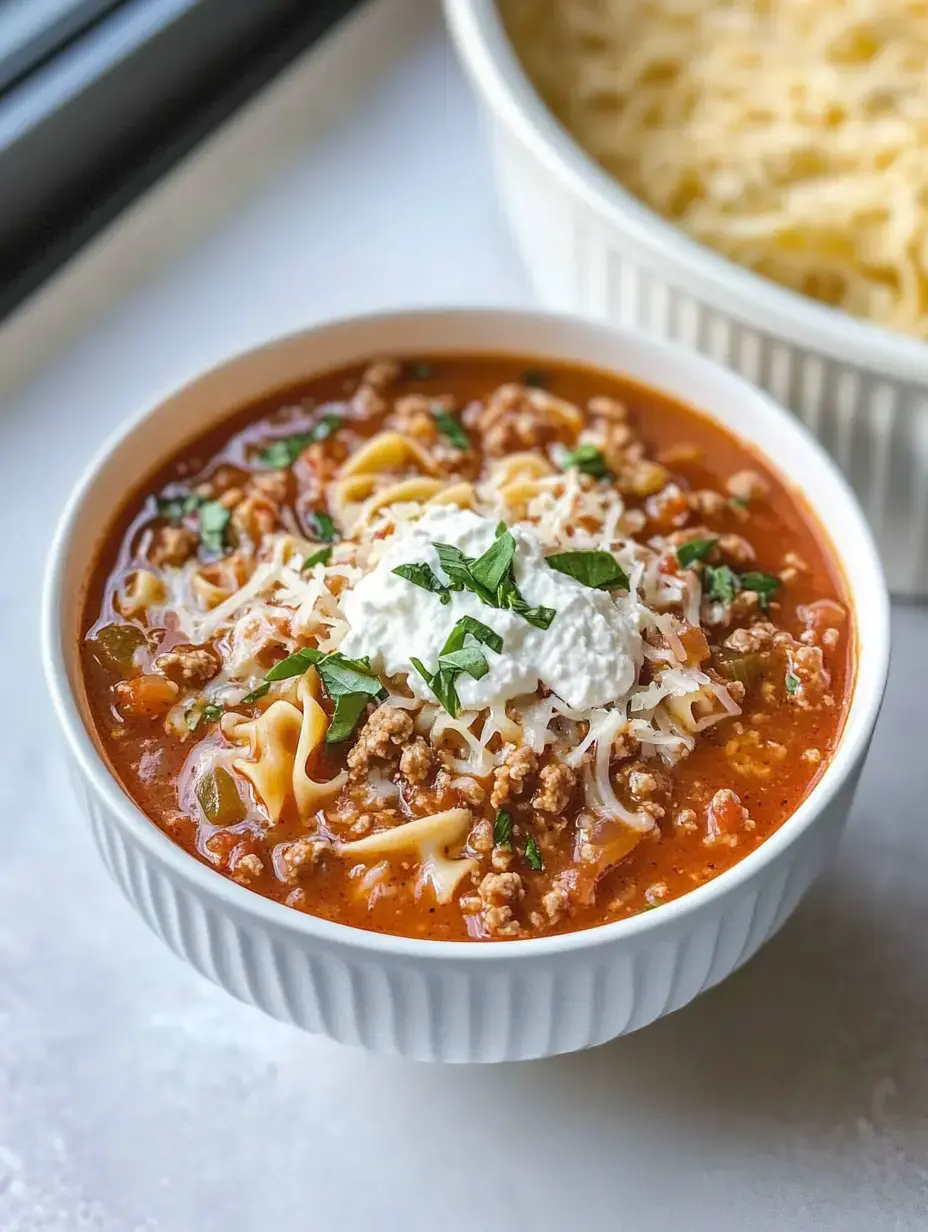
589,656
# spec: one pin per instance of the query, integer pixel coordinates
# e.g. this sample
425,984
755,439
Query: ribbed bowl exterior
444,1008
875,426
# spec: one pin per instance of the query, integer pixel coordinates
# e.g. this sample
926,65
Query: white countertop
134,1096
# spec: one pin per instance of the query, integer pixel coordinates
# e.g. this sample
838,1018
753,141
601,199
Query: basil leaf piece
763,584
721,583
490,568
589,460
255,695
468,659
532,854
457,566
214,518
322,557
323,527
598,570
285,450
424,576
442,685
444,690
174,508
501,529
348,709
477,630
341,676
508,596
535,378
695,549
502,829
421,372
211,712
792,682
295,664
451,428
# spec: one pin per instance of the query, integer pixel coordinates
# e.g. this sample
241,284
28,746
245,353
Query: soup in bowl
424,640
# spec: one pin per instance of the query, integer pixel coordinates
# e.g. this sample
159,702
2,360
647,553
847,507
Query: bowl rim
227,895
488,54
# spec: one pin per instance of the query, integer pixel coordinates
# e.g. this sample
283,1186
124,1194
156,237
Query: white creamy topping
589,656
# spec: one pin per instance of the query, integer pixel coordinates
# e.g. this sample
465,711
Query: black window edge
118,105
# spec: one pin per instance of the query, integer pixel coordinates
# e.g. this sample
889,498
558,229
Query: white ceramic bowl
592,247
459,1001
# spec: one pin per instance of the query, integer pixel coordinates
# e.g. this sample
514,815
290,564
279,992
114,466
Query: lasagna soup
466,649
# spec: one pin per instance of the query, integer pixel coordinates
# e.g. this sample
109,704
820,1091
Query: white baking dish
592,247
455,1001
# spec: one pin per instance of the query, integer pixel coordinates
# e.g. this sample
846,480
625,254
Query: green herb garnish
721,583
477,630
421,372
589,460
424,576
174,508
532,854
490,577
598,570
442,685
502,829
451,428
468,659
323,527
348,709
295,664
255,695
763,584
285,450
694,550
535,378
490,568
214,519
322,557
349,683
208,713
458,656
792,682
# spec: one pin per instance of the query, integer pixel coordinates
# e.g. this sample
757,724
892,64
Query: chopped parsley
792,682
424,576
502,829
589,460
214,519
695,549
598,570
451,428
285,450
322,557
721,583
763,584
322,526
532,854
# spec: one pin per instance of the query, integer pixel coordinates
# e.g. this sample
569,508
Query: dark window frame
116,101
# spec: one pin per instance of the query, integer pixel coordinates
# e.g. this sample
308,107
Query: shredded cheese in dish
790,136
